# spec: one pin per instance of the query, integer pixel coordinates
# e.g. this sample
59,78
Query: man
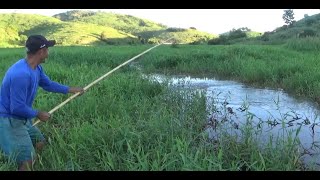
18,90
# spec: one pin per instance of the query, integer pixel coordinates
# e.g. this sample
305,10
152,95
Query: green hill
302,30
73,33
92,28
126,23
14,29
13,26
100,28
309,26
145,30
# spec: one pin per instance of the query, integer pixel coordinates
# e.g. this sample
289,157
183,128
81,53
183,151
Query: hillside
14,29
145,30
92,28
126,23
100,28
308,27
13,26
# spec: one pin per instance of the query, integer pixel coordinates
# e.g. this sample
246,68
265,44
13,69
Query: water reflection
272,111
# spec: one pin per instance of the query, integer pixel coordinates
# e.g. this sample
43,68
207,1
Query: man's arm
18,94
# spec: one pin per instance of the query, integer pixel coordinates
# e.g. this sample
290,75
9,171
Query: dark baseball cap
36,42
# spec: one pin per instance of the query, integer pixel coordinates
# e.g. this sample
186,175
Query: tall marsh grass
304,44
127,122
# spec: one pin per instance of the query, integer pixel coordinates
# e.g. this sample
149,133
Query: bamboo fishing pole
99,79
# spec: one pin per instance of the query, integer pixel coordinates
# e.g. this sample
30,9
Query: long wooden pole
99,79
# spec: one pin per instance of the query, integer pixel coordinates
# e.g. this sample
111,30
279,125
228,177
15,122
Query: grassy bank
130,123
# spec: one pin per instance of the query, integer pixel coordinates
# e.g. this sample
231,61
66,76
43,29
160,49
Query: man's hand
43,116
75,90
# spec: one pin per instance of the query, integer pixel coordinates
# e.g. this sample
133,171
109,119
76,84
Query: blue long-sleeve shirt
19,88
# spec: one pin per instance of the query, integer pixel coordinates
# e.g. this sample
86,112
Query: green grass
126,122
305,44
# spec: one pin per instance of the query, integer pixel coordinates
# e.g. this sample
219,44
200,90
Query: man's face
44,53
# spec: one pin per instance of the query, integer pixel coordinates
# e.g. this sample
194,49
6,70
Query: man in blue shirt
18,90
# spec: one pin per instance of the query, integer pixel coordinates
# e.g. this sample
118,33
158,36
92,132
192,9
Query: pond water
272,111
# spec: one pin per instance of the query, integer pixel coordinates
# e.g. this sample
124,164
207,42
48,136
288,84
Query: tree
22,39
104,36
238,33
142,23
288,16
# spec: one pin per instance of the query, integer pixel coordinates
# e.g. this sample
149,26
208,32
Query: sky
214,21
